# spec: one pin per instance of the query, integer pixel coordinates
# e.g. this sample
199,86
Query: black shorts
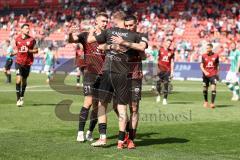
22,70
211,80
114,83
164,76
8,64
91,82
136,89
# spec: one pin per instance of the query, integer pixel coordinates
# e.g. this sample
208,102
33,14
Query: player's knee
205,86
214,92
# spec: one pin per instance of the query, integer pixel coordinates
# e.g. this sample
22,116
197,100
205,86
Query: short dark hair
210,45
169,40
103,14
25,24
130,18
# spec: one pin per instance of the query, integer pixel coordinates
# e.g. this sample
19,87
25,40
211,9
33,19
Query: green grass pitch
182,130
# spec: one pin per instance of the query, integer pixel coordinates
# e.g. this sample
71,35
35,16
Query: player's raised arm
100,38
73,35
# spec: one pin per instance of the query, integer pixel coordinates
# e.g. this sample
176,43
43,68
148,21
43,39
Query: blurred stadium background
191,24
34,131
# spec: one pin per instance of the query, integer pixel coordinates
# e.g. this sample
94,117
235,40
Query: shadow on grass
180,102
224,105
139,136
145,141
45,104
169,140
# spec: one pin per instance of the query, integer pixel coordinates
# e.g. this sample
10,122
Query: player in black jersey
115,74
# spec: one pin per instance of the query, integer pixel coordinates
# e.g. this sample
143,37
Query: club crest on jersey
213,59
28,43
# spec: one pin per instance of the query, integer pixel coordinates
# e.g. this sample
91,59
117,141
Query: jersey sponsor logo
113,57
121,34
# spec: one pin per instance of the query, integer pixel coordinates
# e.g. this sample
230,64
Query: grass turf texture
181,130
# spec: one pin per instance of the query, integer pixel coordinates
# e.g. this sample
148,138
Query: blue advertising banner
184,70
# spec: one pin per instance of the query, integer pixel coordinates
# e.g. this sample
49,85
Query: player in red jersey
79,62
165,66
24,59
210,69
94,59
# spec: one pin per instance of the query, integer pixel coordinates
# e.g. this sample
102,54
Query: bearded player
210,69
24,59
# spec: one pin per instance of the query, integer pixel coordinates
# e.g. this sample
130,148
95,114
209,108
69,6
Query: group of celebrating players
112,70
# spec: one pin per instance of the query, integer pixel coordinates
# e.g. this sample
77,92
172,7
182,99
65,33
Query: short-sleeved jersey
9,52
93,57
23,45
210,64
165,58
234,58
115,61
49,59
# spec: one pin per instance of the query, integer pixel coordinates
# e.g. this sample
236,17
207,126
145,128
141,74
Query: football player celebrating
165,66
232,75
115,74
93,60
24,59
210,69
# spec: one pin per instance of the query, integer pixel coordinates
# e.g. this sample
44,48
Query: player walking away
210,69
232,75
115,75
49,60
165,66
9,61
79,62
94,60
24,59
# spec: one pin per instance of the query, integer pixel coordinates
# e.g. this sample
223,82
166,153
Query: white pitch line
50,90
